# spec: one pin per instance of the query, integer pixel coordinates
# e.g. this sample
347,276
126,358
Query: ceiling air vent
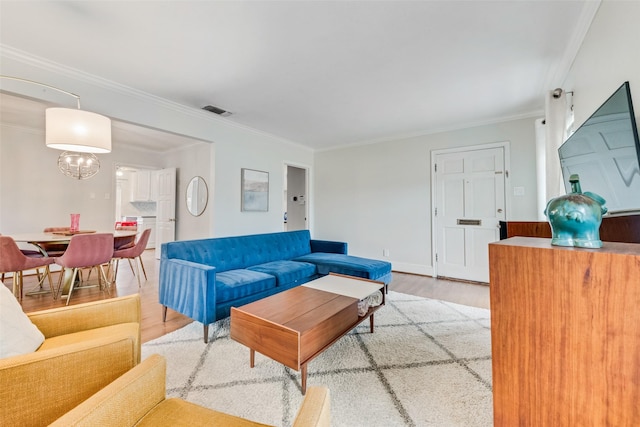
216,110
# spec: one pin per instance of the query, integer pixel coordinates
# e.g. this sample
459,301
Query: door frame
505,145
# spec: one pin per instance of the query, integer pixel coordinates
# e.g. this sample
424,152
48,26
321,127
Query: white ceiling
319,73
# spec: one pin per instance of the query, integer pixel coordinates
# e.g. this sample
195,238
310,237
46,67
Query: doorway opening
295,204
136,192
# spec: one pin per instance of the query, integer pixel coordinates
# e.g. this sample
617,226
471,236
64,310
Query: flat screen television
605,152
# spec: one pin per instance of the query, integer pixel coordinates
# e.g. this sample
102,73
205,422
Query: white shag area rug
428,363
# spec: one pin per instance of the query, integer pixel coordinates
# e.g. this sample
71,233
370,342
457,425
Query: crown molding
426,132
23,57
558,74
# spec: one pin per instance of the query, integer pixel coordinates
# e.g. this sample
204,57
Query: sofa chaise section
204,278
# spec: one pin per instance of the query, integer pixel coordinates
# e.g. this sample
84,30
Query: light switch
518,191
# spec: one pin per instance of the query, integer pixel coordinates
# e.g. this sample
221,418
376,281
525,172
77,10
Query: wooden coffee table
295,326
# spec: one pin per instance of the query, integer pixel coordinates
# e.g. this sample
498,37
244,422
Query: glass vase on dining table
75,223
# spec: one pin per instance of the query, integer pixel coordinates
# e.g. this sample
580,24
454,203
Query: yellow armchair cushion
177,412
138,398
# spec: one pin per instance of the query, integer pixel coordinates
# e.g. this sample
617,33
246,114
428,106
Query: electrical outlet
385,252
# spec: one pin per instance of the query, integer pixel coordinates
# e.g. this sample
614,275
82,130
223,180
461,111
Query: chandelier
78,165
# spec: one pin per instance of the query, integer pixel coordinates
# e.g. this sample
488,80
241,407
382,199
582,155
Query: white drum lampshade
77,130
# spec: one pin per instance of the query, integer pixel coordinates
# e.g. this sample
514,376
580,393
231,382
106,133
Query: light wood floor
476,295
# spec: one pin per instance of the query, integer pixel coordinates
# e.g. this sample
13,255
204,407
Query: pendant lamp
71,129
78,133
77,130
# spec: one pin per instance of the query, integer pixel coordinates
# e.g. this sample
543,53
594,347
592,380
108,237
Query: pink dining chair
124,242
13,260
134,253
31,254
86,251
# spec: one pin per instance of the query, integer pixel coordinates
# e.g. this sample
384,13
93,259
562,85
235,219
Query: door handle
499,210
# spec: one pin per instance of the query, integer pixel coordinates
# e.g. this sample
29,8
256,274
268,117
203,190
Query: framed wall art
255,191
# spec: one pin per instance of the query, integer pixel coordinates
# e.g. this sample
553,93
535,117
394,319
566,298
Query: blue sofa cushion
286,271
328,246
346,264
235,284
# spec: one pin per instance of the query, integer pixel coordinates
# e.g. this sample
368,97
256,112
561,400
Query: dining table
41,238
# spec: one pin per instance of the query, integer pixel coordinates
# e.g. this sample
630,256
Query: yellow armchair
86,347
138,398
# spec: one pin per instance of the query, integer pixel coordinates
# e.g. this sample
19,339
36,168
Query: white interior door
469,203
166,208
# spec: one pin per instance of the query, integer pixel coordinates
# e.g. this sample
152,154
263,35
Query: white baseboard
424,270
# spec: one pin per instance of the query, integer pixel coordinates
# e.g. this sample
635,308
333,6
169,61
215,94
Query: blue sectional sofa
204,278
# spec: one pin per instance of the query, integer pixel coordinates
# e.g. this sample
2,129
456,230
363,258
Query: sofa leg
206,334
164,313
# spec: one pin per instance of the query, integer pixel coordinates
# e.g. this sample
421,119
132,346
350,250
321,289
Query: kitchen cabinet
143,186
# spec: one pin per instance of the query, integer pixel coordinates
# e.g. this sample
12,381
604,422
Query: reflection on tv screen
604,152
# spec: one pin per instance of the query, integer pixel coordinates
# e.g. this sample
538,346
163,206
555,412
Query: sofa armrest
41,386
188,288
125,401
91,315
315,410
328,246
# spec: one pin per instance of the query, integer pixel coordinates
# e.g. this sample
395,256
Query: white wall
236,147
608,57
36,195
254,154
378,196
194,160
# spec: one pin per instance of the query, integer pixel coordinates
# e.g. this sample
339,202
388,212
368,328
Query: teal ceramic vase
575,218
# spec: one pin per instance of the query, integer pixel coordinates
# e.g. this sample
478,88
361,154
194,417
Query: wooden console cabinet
565,334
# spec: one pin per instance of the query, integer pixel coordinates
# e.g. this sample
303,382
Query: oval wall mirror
197,195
